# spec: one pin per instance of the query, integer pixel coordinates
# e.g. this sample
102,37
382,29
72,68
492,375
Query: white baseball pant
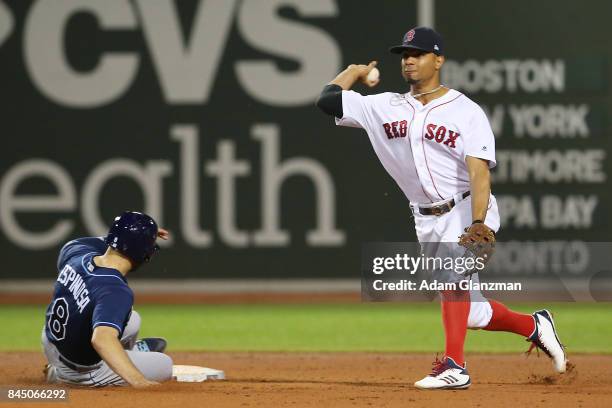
447,228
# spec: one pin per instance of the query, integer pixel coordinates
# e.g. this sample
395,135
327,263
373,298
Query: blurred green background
405,327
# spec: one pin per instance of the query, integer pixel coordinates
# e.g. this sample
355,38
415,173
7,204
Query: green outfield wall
202,114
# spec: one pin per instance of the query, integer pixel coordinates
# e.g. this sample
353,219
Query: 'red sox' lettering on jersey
396,129
441,135
423,147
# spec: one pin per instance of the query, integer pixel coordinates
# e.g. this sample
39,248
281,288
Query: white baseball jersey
423,147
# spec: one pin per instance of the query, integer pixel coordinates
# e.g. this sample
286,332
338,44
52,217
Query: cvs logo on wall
186,67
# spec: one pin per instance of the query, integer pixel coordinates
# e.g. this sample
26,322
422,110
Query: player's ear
439,61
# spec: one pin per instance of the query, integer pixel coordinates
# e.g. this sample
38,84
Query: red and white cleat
445,375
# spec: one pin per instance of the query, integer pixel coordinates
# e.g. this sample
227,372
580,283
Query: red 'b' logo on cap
409,36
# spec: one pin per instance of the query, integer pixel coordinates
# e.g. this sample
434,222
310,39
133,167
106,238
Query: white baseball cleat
445,375
545,338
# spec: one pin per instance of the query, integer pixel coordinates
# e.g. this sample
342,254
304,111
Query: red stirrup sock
504,319
455,313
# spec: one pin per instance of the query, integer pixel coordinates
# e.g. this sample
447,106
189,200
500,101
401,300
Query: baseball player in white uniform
438,146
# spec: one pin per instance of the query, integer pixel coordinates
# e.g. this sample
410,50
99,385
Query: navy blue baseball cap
421,38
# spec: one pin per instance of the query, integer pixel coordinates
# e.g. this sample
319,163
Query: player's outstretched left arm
478,238
480,186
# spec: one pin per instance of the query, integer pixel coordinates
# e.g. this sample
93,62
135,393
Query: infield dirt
341,380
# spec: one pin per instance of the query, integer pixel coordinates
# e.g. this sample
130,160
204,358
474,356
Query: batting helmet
133,234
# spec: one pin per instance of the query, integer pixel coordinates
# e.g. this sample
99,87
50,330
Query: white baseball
373,75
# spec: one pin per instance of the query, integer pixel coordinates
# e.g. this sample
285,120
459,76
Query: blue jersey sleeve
113,305
79,247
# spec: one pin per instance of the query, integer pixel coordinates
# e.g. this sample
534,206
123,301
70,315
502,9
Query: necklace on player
428,92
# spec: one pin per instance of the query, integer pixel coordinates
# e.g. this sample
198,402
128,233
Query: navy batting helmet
133,234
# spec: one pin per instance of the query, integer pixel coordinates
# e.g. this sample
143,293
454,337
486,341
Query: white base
187,373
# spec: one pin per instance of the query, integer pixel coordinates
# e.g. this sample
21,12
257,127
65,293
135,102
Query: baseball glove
479,240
